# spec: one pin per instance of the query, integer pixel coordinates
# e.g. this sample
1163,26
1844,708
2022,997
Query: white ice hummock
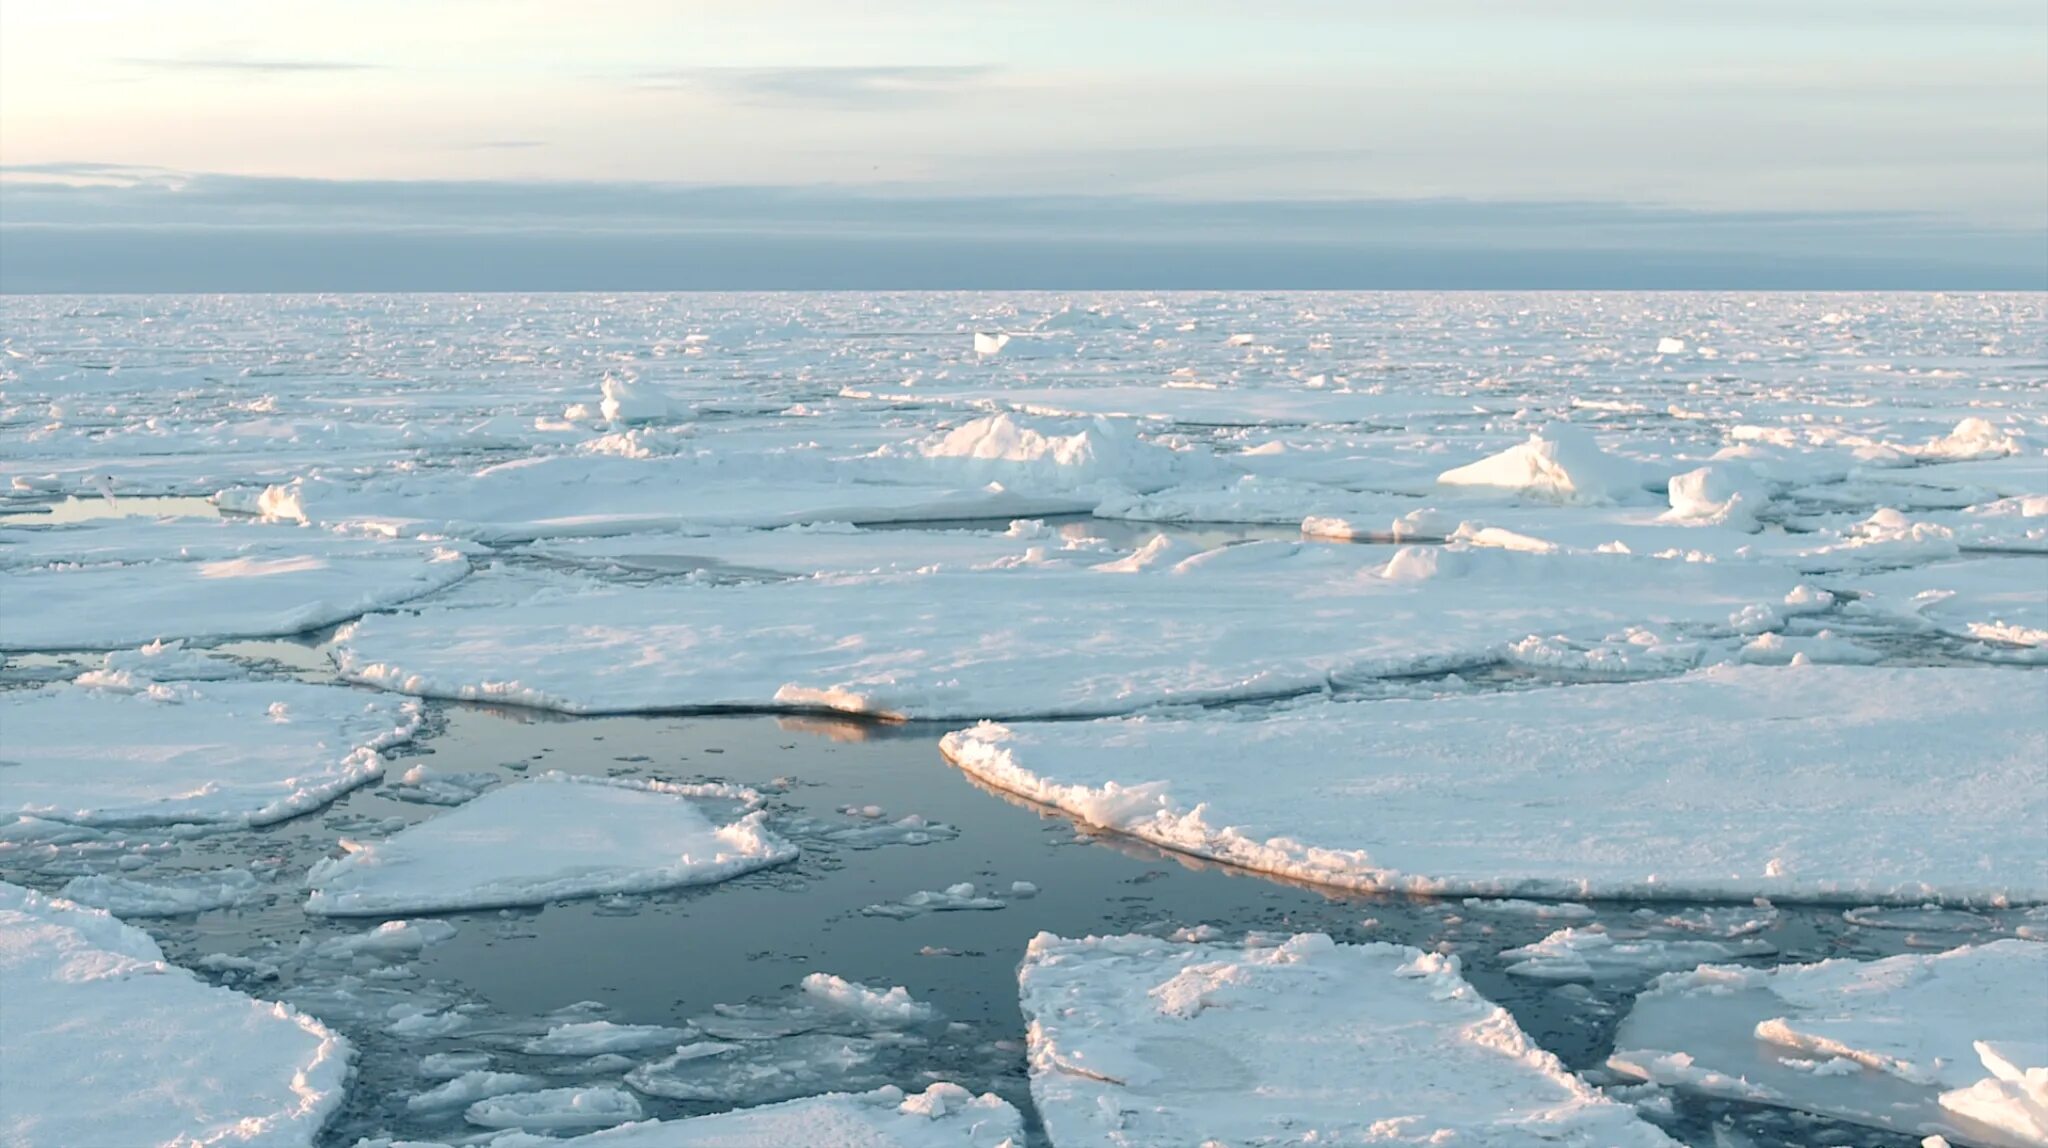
555,836
1137,1042
1898,786
106,1043
212,753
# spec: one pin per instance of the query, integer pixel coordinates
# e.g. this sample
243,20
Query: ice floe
552,837
107,1043
1136,1042
1948,1043
199,581
168,897
942,1116
1168,623
204,753
1863,792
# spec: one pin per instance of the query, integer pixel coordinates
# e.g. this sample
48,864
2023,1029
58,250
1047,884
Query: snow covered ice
106,1043
556,836
1640,789
1949,1043
1140,1042
1729,607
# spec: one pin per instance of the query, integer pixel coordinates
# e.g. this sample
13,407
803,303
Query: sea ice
556,1109
1560,463
587,1038
169,897
1165,624
942,1116
212,753
1594,954
552,837
268,581
106,1043
1864,792
1947,1043
1135,1041
2001,600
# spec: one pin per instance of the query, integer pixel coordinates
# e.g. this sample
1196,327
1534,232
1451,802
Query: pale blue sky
1918,132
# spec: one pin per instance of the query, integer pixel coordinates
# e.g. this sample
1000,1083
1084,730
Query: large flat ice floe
1137,1042
1814,783
555,836
125,582
1168,623
942,1116
1950,1043
198,753
105,1043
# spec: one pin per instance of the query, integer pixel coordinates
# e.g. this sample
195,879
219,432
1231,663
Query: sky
625,144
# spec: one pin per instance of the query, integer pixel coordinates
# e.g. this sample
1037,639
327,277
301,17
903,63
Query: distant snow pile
1007,449
626,401
1724,493
1560,463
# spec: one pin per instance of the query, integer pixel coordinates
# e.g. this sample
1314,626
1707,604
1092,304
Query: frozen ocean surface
550,699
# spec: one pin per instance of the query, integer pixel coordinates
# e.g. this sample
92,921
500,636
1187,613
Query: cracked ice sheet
1167,624
1831,784
106,1043
1898,1043
834,547
125,582
942,1116
2000,600
224,754
550,838
996,467
1137,1042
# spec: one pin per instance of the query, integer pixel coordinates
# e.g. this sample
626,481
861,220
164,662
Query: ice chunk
171,897
891,1007
1137,1042
1534,910
631,402
2014,1098
1593,954
586,1038
390,940
106,1043
556,1109
1670,346
470,1087
952,898
216,753
1729,493
555,836
1661,789
1917,1027
1560,463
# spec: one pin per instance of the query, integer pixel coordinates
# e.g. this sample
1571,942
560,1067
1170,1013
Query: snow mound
1723,493
632,402
1656,789
1145,1043
1008,449
1560,463
107,1043
552,837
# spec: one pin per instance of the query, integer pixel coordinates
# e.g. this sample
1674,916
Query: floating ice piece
1593,954
390,940
469,1087
1924,918
1663,789
169,897
942,1116
162,662
107,1043
425,786
1997,600
1138,1042
1637,653
1916,1025
1560,463
890,1008
1166,625
589,1038
821,548
1534,910
990,343
556,1109
216,753
1825,647
952,898
296,580
1670,346
552,837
